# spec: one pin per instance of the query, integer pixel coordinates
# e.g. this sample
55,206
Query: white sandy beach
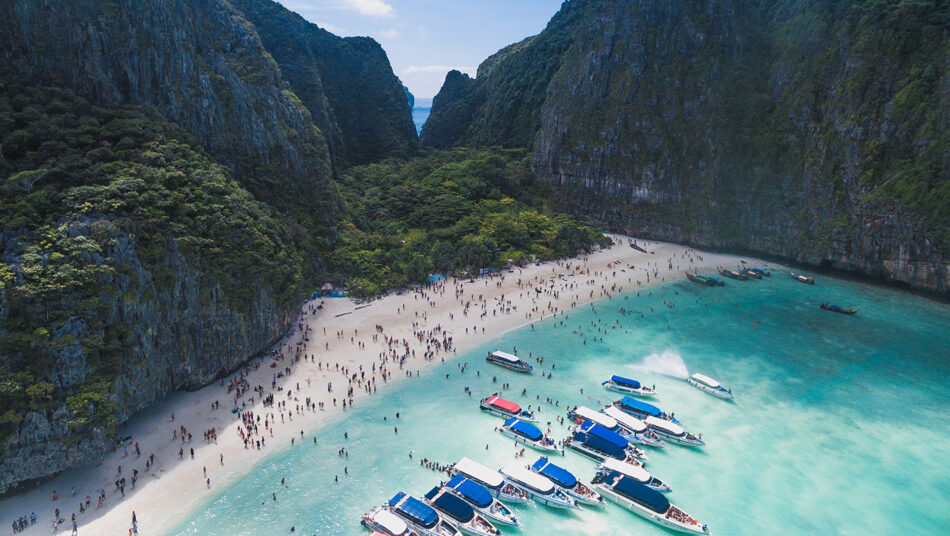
172,488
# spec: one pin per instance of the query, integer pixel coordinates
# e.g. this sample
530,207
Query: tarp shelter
435,279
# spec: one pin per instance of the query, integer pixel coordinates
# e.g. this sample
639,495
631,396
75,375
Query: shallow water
840,424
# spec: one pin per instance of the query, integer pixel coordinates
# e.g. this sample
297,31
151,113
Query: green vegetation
448,212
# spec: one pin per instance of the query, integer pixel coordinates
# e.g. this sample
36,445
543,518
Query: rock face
814,131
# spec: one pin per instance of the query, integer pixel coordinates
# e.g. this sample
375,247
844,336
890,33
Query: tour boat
567,481
540,488
838,309
596,442
732,274
761,271
505,409
635,472
626,385
802,278
642,410
490,478
637,430
481,499
702,280
420,517
583,413
528,434
509,361
385,522
751,273
673,432
459,513
709,385
646,502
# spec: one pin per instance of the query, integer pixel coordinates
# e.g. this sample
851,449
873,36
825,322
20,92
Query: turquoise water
420,112
840,424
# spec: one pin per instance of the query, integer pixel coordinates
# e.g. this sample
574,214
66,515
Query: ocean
840,424
420,112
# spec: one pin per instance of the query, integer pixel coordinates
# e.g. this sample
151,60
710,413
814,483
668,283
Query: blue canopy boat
420,516
567,481
646,502
480,498
528,434
596,442
459,513
642,410
626,385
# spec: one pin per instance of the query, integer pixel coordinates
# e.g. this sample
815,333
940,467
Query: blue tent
562,477
639,407
639,493
450,504
625,381
524,429
415,510
473,491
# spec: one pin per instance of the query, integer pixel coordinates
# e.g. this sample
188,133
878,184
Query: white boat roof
593,415
390,521
518,472
637,473
479,472
707,380
670,427
627,420
506,356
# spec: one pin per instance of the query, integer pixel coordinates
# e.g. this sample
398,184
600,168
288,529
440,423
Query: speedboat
799,277
711,386
505,409
642,410
459,513
476,495
583,413
508,361
567,481
646,503
385,522
673,433
494,482
637,430
596,442
540,488
635,472
528,434
612,423
420,517
626,385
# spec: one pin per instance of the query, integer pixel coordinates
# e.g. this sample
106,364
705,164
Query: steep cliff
816,131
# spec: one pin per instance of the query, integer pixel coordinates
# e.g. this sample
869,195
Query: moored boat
420,517
635,472
491,480
541,489
457,512
583,413
801,278
674,433
596,442
528,434
505,409
732,274
838,309
751,273
764,272
626,385
637,430
642,410
567,481
646,502
703,280
383,521
709,385
508,361
481,499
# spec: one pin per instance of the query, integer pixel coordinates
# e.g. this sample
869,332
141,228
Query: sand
173,488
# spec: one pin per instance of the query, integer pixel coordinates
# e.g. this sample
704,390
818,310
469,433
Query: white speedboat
508,361
620,384
583,413
596,442
541,488
646,503
505,409
491,479
637,430
635,472
567,481
642,410
459,513
420,517
387,523
481,499
528,434
673,432
709,385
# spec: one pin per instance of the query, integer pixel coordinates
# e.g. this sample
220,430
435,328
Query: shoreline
409,331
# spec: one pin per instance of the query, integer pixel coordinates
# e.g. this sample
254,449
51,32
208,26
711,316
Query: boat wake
668,363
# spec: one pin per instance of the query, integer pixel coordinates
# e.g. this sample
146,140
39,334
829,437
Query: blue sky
426,38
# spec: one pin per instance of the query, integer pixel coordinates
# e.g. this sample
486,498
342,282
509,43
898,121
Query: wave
668,363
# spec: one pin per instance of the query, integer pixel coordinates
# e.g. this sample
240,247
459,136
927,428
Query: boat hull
440,529
718,393
595,455
533,444
677,440
649,515
611,386
592,499
549,500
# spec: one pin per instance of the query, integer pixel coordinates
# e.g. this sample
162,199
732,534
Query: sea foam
668,363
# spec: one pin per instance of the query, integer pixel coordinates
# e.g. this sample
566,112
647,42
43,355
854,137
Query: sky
425,39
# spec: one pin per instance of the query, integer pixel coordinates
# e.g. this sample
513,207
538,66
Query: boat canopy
390,521
455,507
620,380
562,477
639,493
669,427
640,407
524,429
588,414
501,403
419,512
536,482
702,378
472,491
479,472
627,469
511,358
599,443
592,428
626,420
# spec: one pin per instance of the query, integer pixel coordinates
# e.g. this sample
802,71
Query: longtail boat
838,309
707,281
732,274
799,277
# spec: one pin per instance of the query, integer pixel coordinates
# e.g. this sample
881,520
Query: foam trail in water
668,363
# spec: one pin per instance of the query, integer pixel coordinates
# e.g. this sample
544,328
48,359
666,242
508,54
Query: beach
338,353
